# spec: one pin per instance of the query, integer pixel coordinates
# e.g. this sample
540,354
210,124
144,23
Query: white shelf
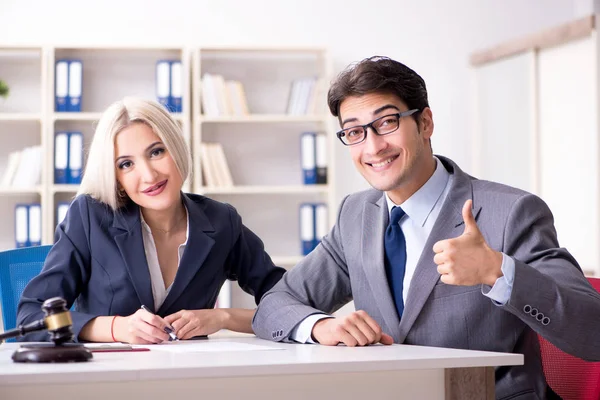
291,189
262,118
76,116
93,116
5,191
236,51
65,188
20,117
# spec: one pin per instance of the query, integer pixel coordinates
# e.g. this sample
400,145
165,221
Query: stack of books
215,170
223,98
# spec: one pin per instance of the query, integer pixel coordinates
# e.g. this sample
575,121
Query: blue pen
169,331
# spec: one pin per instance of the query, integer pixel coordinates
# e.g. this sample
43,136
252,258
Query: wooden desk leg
470,383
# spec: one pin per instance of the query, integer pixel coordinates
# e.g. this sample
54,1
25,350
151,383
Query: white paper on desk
208,346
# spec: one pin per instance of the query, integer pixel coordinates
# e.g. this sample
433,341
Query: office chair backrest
17,267
571,377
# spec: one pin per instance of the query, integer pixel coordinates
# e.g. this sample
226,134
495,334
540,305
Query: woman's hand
141,327
190,323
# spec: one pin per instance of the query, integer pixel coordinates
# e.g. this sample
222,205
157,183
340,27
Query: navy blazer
98,261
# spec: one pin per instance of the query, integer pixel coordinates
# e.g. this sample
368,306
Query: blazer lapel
448,225
131,246
375,217
197,249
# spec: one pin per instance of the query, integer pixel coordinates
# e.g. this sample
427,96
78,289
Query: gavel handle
24,329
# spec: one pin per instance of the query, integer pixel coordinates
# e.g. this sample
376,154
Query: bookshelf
262,147
109,73
22,124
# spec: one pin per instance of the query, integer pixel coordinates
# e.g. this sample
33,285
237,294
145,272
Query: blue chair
17,268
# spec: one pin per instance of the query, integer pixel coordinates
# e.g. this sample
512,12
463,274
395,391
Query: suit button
545,321
527,309
534,312
540,317
273,335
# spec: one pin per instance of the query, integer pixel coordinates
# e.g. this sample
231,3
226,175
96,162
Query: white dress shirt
159,291
422,210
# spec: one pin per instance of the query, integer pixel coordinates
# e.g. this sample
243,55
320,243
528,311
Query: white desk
296,372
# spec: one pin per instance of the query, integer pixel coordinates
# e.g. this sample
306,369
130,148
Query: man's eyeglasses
381,126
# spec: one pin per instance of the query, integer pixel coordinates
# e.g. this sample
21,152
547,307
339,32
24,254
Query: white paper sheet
207,346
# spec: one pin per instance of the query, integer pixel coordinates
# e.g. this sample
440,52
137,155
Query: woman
131,238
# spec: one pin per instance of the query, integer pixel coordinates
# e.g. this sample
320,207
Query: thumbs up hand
467,260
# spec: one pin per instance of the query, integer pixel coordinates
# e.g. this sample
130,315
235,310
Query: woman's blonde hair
99,179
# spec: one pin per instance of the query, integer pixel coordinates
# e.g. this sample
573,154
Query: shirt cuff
502,289
302,332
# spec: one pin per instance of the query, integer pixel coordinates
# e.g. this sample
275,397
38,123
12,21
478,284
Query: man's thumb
386,339
470,223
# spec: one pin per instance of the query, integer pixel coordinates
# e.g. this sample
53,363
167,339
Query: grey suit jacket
349,264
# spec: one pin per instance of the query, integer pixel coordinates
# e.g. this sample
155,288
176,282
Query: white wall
433,37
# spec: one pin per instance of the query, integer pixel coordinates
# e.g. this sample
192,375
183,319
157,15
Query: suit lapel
448,225
375,217
131,246
196,250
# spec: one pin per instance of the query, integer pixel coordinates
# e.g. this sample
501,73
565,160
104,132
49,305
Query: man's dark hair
379,75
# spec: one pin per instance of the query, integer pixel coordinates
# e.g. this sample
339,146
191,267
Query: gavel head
58,320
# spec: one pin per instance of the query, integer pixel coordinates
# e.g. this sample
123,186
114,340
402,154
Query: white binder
163,82
75,85
21,226
35,225
176,87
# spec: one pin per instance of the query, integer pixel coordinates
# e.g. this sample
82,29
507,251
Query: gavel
57,320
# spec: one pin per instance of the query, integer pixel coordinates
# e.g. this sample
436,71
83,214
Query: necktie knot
397,214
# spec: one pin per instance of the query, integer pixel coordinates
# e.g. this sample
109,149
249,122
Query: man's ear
426,123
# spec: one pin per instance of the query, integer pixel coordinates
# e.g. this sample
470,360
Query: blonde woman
131,238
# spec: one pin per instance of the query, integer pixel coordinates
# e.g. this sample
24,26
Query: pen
169,331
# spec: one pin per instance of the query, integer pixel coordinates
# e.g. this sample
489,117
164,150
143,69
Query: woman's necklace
173,228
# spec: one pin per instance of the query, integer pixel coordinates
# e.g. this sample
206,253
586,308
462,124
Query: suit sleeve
550,292
65,272
248,263
319,283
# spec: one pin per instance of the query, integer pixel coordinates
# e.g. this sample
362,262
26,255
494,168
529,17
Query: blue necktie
395,258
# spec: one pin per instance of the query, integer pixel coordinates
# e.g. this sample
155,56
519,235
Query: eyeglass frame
365,127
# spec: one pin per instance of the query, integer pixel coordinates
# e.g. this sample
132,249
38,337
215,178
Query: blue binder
61,85
75,85
75,158
21,225
308,158
307,227
61,211
176,95
163,82
34,224
61,157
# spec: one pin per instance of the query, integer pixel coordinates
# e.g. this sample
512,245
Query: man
431,256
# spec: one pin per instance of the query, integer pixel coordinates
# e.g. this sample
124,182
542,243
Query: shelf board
276,118
17,191
20,117
286,261
265,49
94,116
251,189
65,188
20,52
77,116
